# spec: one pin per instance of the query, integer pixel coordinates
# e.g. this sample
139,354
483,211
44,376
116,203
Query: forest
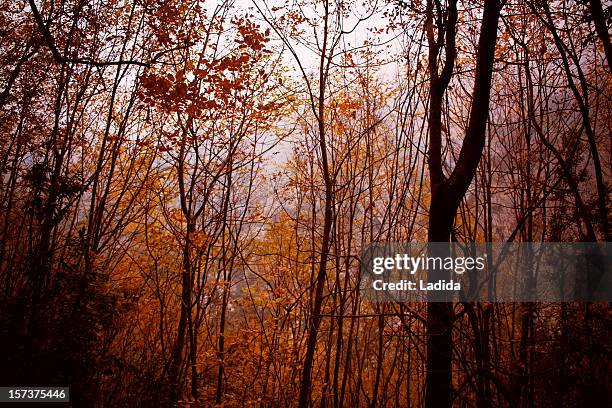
186,188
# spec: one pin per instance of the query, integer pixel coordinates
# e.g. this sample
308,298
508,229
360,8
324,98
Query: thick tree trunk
439,314
447,193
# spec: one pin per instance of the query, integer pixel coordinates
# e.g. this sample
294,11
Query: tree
447,192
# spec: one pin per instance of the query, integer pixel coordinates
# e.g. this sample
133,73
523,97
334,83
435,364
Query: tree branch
65,60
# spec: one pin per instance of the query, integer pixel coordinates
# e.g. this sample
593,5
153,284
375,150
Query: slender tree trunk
315,318
379,363
602,29
179,348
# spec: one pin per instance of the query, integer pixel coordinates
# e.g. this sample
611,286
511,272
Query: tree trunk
602,29
447,193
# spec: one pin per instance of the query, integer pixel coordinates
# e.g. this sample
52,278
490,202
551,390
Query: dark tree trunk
439,314
314,322
447,193
602,29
